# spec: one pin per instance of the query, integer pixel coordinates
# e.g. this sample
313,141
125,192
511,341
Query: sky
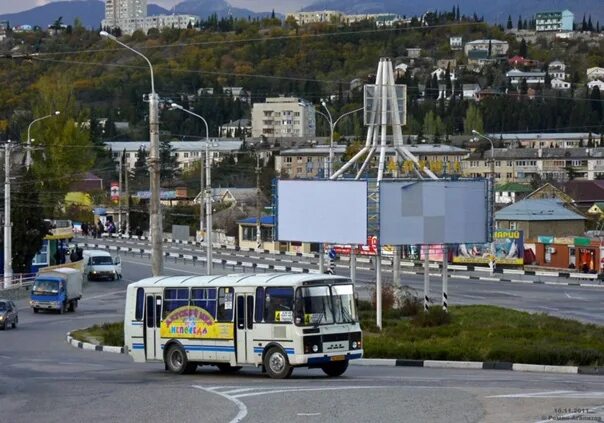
282,6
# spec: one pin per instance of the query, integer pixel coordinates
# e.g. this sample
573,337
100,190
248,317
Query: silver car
8,314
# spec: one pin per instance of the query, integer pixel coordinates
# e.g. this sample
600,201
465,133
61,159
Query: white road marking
553,394
240,405
573,297
309,414
279,391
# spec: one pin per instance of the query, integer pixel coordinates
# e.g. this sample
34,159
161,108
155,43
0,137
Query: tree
510,25
523,50
519,24
596,102
29,227
64,150
140,174
473,120
168,162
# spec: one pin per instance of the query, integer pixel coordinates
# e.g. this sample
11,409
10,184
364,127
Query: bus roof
239,279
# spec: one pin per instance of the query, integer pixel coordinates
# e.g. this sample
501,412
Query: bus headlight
315,348
354,345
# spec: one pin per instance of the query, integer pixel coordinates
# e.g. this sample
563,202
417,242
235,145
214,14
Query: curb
92,347
479,365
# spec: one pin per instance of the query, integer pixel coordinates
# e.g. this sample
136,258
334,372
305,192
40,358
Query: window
259,304
140,301
279,304
186,155
288,160
204,298
175,298
225,305
316,306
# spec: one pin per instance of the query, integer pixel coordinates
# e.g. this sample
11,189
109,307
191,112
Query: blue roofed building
541,217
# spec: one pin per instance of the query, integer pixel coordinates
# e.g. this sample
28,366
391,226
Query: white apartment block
283,117
303,18
498,47
131,15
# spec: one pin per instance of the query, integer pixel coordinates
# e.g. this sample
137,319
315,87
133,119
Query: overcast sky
283,6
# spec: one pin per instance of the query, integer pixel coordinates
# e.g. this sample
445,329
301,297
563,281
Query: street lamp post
8,253
332,127
208,191
154,171
28,151
492,193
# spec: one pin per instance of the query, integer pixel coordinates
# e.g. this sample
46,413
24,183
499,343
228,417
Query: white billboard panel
322,211
433,212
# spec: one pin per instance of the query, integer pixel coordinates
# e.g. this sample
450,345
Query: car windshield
46,287
101,260
343,301
314,306
3,306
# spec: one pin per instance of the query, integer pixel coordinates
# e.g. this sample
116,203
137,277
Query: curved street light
208,191
154,171
332,126
28,153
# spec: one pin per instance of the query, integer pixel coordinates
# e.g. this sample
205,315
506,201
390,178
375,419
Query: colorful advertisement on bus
509,249
192,322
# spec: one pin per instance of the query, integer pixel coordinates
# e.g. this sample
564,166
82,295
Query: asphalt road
550,295
43,379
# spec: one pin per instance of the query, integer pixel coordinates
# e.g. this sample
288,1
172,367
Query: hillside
495,11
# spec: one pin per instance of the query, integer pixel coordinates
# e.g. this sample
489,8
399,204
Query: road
46,380
551,295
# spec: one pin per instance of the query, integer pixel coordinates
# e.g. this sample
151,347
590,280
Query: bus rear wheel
336,368
177,361
276,364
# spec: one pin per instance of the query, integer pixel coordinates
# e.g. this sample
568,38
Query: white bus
274,320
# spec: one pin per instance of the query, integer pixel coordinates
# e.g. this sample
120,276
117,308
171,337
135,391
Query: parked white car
99,264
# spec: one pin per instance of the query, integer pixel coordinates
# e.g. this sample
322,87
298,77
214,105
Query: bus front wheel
276,364
177,361
336,368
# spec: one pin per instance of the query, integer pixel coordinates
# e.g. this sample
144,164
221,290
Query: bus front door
244,344
152,322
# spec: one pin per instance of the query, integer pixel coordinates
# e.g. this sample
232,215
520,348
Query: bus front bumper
316,360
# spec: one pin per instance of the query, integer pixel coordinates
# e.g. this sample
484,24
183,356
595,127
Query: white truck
99,264
59,289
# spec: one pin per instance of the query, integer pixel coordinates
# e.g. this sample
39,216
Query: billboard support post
353,265
445,279
396,266
426,277
378,290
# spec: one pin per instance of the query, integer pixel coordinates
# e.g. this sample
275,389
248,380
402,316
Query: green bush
435,316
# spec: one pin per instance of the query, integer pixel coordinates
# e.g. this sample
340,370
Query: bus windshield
324,305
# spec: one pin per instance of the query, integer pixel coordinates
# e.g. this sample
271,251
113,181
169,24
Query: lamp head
57,113
474,131
175,106
107,35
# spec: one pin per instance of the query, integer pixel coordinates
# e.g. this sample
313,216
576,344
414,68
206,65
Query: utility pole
119,219
8,254
258,193
126,172
201,194
157,259
208,212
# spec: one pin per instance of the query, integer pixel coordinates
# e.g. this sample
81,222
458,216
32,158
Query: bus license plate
338,358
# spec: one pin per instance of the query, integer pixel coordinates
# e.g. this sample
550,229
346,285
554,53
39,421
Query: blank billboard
433,212
322,211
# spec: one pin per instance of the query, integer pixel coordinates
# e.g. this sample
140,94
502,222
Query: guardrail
18,281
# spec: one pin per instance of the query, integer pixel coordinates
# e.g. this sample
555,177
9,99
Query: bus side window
204,298
259,304
279,304
175,298
225,305
140,302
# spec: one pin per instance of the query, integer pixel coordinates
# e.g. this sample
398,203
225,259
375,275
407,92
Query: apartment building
523,164
497,47
554,21
283,117
131,15
547,140
186,152
311,162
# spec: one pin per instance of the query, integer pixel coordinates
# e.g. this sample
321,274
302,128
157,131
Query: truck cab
99,264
